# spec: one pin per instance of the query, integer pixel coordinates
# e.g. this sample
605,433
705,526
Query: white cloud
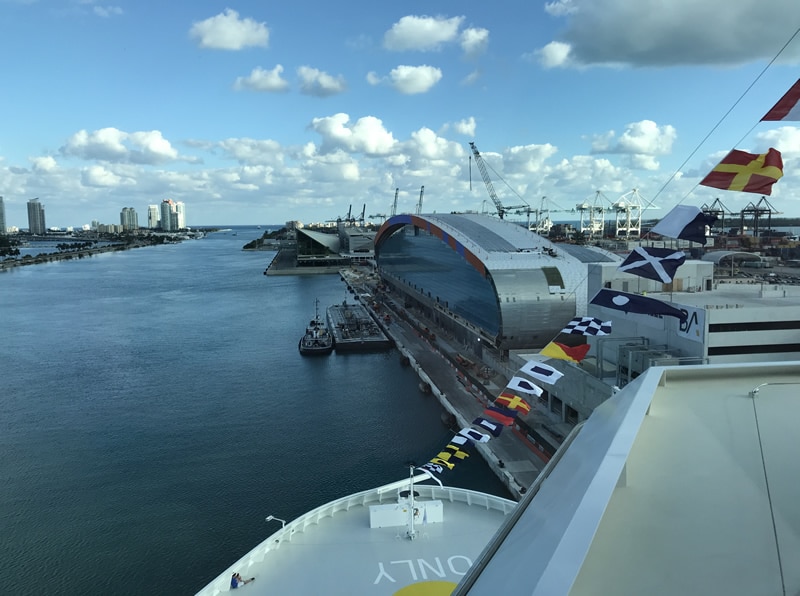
260,79
655,33
554,55
152,148
368,135
107,11
471,78
226,31
99,176
421,33
642,141
465,127
104,144
253,151
44,164
474,41
318,83
528,159
373,78
414,79
113,145
785,139
560,8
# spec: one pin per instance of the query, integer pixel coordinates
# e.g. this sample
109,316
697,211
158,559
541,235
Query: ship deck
333,550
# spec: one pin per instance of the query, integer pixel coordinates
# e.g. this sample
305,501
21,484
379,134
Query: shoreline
13,263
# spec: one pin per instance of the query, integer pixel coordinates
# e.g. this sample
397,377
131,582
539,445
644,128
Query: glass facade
524,306
432,268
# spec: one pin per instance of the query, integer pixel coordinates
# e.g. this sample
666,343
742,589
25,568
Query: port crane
419,204
501,209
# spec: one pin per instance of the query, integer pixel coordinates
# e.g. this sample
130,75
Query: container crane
394,205
419,204
501,209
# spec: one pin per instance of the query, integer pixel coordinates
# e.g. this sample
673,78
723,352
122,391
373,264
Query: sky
256,112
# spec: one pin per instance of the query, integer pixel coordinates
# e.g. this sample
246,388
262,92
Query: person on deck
237,581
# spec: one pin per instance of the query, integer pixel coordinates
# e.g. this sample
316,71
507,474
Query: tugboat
317,340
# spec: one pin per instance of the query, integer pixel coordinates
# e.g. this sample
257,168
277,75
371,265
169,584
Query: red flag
788,106
502,415
747,172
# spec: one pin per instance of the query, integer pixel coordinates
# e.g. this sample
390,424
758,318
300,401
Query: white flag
524,385
541,372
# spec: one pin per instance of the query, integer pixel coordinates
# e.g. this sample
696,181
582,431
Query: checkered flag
587,326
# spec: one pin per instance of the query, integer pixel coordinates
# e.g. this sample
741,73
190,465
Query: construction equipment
501,209
592,223
419,203
394,205
718,210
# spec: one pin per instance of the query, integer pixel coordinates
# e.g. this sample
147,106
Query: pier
454,382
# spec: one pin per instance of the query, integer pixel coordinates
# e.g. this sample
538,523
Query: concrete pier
510,456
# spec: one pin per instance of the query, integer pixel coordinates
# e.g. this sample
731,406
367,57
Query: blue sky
263,112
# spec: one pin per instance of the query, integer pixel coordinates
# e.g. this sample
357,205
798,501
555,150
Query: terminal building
489,282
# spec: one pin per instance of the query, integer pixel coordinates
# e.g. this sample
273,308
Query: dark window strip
764,349
763,326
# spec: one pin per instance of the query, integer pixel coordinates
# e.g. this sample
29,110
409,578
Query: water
154,410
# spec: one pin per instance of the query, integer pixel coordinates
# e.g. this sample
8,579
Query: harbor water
154,409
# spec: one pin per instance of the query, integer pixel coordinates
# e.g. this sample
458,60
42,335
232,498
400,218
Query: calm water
154,410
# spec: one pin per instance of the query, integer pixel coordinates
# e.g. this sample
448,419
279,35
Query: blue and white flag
524,385
587,326
659,264
628,303
541,372
686,222
461,440
490,425
474,435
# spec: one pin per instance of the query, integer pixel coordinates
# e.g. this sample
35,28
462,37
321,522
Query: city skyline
258,113
173,211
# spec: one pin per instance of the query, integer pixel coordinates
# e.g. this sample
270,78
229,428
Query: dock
354,329
457,382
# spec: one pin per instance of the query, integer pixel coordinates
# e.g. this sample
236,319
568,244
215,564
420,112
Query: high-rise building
173,215
129,219
2,217
167,219
36,223
152,217
180,210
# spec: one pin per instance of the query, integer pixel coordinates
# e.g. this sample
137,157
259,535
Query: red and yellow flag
513,402
562,352
747,172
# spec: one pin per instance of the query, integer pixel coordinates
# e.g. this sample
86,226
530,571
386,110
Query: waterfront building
153,219
180,215
128,219
490,282
318,249
168,220
173,215
36,221
3,228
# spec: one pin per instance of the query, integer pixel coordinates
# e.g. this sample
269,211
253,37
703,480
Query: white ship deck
332,549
